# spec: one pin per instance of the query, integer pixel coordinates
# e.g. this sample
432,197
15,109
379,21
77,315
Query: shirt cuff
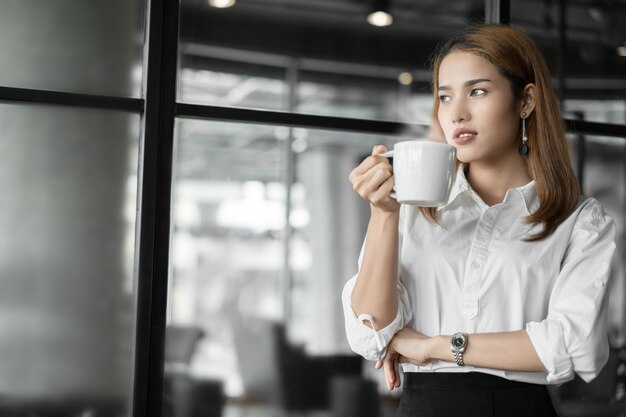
369,342
549,343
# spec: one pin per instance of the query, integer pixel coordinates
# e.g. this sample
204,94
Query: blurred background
274,102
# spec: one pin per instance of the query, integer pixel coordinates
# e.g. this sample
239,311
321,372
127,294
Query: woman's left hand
406,346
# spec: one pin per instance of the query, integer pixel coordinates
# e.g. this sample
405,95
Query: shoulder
590,213
592,223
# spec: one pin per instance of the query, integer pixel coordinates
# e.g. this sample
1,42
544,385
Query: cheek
502,121
444,121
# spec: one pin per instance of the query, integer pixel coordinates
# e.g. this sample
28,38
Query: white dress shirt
475,274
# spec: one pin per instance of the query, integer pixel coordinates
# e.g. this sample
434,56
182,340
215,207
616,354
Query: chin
466,157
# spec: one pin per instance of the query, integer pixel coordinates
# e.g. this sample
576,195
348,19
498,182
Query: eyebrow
466,83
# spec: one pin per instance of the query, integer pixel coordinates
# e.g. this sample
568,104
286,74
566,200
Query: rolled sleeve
371,342
573,338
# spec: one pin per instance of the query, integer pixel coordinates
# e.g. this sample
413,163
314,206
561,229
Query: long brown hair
519,60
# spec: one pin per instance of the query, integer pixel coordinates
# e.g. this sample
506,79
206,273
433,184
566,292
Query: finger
376,176
369,183
368,163
397,372
389,373
378,364
378,149
382,193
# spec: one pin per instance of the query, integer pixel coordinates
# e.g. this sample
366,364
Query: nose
460,111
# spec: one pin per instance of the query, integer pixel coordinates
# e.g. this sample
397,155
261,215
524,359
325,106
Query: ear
528,99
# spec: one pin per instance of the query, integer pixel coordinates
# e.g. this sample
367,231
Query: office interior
177,222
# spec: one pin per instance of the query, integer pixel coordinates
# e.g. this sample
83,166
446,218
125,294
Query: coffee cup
423,172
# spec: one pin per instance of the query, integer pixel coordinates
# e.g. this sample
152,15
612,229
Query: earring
523,147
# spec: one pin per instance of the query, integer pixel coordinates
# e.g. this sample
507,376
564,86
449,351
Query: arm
509,351
375,303
375,291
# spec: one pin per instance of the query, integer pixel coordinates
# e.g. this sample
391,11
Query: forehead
459,66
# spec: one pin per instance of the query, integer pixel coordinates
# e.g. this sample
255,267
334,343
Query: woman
501,291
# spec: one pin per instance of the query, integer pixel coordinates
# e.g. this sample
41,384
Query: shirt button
599,284
475,265
482,239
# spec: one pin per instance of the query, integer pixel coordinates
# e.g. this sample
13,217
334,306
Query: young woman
501,291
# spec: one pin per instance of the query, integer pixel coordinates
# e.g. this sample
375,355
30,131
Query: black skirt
471,394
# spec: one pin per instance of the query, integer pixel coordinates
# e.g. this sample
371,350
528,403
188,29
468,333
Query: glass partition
72,46
254,315
69,181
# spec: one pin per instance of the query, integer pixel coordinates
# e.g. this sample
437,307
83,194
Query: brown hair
519,60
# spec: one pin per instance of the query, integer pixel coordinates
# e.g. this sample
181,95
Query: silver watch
458,344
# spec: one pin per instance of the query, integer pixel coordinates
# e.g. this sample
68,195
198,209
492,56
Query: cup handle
389,154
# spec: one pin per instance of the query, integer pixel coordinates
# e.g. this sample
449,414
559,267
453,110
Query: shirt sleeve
371,341
573,338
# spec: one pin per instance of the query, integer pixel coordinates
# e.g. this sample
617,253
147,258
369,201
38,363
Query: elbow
369,353
590,363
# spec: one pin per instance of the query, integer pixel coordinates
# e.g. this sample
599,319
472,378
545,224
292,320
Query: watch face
458,342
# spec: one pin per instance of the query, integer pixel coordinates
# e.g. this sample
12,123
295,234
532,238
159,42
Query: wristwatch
458,344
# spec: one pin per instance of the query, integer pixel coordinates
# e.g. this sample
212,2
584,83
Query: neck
492,180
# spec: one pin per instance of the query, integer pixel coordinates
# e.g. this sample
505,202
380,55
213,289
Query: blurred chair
577,398
180,345
354,396
185,395
305,380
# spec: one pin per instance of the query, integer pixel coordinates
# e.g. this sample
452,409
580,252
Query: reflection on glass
75,46
69,181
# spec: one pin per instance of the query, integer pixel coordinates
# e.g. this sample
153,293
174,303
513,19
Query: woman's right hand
373,180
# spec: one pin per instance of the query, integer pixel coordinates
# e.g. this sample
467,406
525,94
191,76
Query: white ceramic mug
423,172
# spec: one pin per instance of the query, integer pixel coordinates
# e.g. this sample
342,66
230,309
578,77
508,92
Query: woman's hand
373,180
407,346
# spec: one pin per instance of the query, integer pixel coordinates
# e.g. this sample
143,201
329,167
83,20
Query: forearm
375,292
509,351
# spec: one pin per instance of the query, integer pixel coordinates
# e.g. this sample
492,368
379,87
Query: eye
478,92
444,98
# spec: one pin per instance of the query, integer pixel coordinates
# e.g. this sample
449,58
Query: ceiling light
380,14
621,50
222,4
405,78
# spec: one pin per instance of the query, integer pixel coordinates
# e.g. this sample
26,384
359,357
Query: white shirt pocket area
370,341
573,337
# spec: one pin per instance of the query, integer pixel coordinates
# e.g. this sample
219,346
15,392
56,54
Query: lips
462,135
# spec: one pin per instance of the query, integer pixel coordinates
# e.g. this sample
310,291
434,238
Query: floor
235,410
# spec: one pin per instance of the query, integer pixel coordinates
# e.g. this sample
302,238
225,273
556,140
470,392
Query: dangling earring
523,147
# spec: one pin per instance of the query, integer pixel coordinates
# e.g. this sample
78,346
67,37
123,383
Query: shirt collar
461,186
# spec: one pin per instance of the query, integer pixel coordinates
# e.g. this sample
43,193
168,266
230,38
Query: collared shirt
474,273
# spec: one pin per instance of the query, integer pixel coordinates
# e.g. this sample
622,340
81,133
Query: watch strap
458,357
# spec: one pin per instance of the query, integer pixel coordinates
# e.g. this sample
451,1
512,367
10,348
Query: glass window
227,259
74,46
314,58
251,319
593,61
68,218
